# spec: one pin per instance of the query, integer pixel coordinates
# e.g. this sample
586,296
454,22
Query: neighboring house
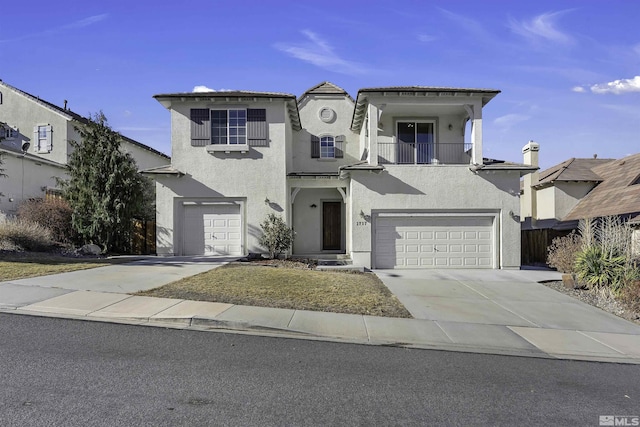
36,145
617,194
548,196
554,200
387,179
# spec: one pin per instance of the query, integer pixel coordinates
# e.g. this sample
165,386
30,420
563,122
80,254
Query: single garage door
434,242
212,229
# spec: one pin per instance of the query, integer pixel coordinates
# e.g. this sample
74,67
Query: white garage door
212,229
434,242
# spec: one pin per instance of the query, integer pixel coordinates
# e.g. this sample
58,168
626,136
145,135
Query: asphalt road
56,372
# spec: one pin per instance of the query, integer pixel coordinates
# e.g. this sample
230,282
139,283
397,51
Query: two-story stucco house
35,146
392,179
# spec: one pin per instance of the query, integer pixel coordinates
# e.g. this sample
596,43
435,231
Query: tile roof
325,88
572,170
224,94
415,92
617,194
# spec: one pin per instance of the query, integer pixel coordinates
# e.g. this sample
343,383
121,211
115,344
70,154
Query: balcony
427,153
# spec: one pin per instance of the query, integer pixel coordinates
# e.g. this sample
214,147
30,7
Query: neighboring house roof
163,170
28,156
617,194
580,170
415,92
70,115
325,88
234,95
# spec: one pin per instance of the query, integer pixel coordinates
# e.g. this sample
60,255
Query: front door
331,225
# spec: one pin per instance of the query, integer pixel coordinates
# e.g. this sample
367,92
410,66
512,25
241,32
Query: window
415,142
228,127
327,147
43,138
9,133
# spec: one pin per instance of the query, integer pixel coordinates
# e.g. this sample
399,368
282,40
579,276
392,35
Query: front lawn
21,265
286,287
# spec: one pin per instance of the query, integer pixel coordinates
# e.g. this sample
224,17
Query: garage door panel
212,229
434,242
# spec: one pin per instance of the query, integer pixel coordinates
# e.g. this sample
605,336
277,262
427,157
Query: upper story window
327,147
43,137
232,127
228,126
8,133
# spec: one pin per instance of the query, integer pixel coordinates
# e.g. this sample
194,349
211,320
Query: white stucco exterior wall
26,178
309,110
437,189
249,178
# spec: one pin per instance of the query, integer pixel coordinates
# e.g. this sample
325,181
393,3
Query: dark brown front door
331,215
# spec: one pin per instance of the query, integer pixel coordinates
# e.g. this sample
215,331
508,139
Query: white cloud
321,54
426,38
618,87
86,22
542,27
201,88
77,24
509,120
578,89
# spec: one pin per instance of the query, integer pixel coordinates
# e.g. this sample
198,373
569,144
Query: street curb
198,324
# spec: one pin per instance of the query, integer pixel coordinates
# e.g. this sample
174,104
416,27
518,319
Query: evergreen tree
104,188
2,175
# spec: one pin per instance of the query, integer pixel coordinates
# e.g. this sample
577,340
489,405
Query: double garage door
434,242
212,229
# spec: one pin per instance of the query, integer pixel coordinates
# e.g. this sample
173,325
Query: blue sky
569,71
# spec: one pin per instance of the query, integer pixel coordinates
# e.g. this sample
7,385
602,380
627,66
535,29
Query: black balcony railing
402,153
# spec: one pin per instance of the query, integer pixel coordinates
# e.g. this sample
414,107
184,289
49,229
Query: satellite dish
25,147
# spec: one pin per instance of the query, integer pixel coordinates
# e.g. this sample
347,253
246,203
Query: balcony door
415,142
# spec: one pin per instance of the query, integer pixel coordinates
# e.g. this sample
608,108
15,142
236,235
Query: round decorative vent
327,115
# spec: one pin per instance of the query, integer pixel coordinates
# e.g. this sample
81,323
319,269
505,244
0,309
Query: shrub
631,295
54,214
276,236
605,261
561,255
18,234
598,269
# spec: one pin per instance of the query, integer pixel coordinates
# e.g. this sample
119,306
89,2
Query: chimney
528,201
65,105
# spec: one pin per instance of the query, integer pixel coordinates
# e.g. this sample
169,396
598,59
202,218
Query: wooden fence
143,240
534,244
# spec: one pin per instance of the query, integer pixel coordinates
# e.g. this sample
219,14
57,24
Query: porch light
267,201
313,206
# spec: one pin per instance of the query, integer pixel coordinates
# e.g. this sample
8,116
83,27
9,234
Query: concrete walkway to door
509,309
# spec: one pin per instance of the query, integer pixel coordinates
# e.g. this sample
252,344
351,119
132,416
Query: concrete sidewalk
457,311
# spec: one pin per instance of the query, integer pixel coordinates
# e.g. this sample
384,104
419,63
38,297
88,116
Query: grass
21,265
281,287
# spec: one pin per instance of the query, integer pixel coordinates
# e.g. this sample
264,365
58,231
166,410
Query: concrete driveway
497,297
131,277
